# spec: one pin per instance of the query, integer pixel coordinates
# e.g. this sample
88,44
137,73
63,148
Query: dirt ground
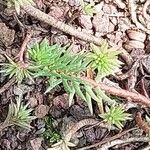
125,23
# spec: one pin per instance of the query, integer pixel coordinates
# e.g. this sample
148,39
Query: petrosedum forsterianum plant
61,66
18,69
19,115
104,60
115,115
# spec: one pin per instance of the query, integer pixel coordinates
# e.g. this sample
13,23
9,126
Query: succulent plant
115,115
104,60
18,69
19,115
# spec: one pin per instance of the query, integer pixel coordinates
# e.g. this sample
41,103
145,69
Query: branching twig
36,13
129,96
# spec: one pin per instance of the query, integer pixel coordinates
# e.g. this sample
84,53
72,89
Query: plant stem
129,96
24,45
124,141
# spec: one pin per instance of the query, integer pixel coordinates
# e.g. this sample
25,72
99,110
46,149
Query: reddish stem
24,45
129,96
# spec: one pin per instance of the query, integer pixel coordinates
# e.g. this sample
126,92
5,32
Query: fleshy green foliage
50,134
18,3
61,66
17,69
104,60
115,116
56,60
88,8
19,115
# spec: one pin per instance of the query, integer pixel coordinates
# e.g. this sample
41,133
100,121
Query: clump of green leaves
50,134
88,8
115,115
18,69
104,60
19,115
61,66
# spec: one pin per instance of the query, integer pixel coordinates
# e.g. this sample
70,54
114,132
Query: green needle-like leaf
115,115
104,60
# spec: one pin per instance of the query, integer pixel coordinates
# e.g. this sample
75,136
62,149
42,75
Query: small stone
61,101
33,102
59,39
74,3
101,23
36,143
79,113
85,21
58,12
107,9
41,111
90,135
5,144
6,35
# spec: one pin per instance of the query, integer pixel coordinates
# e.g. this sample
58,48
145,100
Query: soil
109,19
